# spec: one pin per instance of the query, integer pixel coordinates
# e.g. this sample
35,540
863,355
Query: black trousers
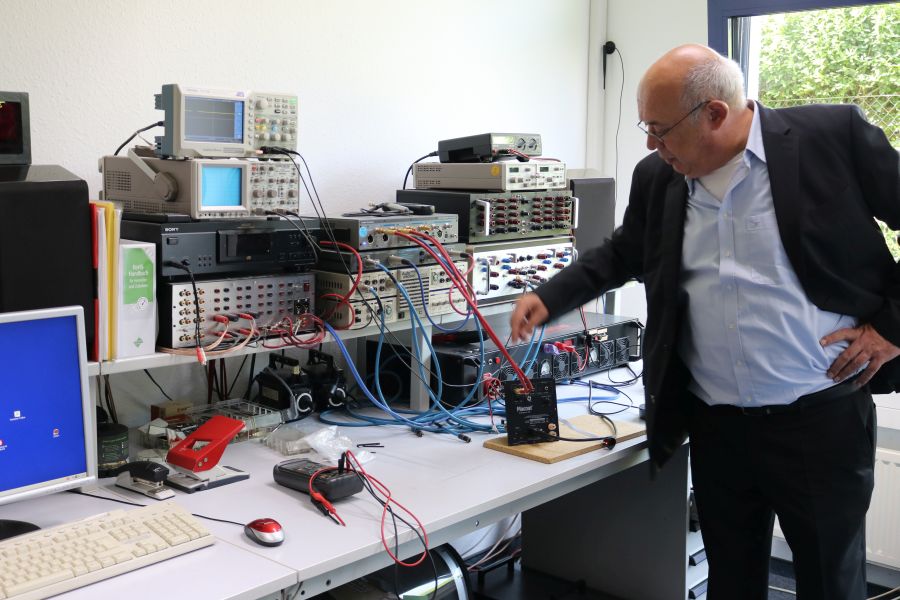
812,465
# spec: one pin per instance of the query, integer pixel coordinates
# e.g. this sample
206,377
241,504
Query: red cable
341,300
463,278
443,260
471,268
526,383
359,266
318,497
386,501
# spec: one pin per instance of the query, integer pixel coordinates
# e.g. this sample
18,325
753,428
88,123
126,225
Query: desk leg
418,390
624,535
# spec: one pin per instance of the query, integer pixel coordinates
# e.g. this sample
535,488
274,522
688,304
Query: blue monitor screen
42,437
220,186
213,120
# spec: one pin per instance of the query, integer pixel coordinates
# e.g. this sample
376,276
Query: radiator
883,519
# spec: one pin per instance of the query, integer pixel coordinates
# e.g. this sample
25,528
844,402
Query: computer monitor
48,439
15,129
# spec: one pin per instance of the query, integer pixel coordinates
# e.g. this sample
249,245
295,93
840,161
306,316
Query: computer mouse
266,532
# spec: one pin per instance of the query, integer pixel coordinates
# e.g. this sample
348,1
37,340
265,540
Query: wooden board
551,452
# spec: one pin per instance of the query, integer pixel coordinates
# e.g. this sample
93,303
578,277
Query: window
818,53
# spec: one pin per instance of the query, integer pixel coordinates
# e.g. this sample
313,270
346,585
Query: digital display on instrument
254,244
220,186
213,120
11,135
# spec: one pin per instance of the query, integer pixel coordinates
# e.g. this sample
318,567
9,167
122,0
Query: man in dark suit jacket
772,302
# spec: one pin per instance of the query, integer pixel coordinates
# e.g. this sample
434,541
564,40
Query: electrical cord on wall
618,121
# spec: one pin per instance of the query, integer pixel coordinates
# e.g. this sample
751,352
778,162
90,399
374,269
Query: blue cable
537,349
435,398
362,386
425,300
478,328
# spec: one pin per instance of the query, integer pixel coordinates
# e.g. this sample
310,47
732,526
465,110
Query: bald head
692,102
692,74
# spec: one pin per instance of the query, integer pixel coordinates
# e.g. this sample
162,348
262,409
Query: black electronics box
531,416
596,210
295,474
288,391
232,247
611,341
45,242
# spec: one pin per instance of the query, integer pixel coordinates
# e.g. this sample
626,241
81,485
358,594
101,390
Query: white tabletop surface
453,487
215,572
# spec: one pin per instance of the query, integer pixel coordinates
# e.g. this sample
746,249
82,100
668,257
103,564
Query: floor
503,584
781,576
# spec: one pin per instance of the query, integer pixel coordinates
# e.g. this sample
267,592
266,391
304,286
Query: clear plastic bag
310,437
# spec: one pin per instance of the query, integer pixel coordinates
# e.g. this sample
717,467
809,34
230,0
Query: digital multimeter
295,474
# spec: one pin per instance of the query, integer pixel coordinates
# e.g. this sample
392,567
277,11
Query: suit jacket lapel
673,235
783,160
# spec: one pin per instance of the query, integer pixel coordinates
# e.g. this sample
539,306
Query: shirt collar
754,144
754,139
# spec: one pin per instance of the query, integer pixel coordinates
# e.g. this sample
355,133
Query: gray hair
715,79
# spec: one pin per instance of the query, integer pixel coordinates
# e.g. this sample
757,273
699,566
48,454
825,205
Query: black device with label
531,415
232,247
295,474
488,147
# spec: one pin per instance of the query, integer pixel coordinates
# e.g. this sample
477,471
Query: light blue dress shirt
751,335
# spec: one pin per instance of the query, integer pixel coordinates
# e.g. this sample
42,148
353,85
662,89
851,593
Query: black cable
305,232
80,493
110,401
409,170
184,266
634,377
607,441
326,227
236,375
157,384
367,485
216,385
395,340
134,135
252,377
619,122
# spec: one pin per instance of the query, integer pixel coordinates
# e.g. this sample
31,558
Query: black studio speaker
45,241
596,210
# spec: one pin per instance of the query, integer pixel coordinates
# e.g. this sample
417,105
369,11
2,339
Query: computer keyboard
69,556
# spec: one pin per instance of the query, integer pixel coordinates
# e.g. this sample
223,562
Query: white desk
453,487
220,571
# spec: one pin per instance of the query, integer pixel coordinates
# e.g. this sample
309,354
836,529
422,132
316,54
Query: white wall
379,82
642,30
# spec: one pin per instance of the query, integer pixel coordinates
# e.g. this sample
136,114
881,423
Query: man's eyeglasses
659,136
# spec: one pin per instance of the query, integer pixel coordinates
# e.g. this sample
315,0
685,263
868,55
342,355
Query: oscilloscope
209,123
236,188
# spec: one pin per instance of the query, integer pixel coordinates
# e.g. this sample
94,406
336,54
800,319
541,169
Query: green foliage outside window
844,55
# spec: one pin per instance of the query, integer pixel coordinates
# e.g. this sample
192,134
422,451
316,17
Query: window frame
719,13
